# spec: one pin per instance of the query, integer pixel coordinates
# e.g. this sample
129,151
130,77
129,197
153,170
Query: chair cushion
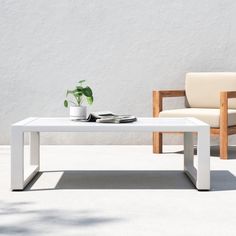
210,116
203,89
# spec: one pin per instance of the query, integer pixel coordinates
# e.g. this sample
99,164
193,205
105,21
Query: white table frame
200,176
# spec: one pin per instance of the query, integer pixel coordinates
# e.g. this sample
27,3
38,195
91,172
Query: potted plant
80,93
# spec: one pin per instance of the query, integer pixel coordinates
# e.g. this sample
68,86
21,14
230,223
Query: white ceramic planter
78,113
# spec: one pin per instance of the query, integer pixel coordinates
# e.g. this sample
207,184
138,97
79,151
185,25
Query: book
109,117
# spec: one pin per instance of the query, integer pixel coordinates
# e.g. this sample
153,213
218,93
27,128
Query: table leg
203,151
200,176
17,159
188,157
35,148
188,150
19,176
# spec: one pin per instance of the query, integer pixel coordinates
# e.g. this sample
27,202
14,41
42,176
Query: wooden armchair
210,98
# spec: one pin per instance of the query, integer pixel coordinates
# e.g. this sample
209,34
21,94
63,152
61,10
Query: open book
109,117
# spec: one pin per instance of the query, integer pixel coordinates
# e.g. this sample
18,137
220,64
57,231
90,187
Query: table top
64,124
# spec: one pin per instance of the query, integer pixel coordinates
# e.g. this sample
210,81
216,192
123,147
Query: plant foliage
79,94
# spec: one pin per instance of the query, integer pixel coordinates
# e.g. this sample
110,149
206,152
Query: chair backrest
203,88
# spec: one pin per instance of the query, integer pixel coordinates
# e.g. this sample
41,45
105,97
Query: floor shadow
124,180
221,180
32,182
214,152
116,179
46,220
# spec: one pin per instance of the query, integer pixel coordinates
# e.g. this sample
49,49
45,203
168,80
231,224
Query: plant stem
79,100
72,102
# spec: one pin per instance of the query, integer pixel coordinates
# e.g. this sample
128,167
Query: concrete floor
117,190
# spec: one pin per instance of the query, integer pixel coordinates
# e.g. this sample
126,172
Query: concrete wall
124,49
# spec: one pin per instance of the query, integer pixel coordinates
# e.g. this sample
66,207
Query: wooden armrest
170,93
228,94
158,95
224,131
224,98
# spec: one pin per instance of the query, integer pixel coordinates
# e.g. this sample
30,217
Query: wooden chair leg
223,125
157,142
223,145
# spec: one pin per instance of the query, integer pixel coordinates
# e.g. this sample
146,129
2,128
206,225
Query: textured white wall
124,49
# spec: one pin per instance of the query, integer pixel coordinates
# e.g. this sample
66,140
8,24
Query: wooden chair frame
223,131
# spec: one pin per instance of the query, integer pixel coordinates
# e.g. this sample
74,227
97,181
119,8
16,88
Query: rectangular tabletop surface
60,124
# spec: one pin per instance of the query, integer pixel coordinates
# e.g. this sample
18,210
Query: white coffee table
34,125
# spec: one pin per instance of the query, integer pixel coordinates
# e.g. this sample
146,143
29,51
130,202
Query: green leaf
87,91
77,93
65,103
70,92
81,81
90,100
79,88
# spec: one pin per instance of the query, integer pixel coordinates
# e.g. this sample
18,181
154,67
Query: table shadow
221,180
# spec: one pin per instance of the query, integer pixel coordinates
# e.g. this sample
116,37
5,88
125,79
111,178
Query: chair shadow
214,152
140,179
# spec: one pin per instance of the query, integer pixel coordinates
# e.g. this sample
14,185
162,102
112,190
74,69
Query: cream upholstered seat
210,97
210,116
